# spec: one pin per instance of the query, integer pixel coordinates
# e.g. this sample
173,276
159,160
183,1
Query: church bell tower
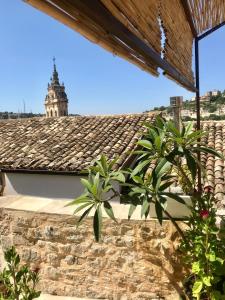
56,102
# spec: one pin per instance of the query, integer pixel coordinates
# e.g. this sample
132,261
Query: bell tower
56,101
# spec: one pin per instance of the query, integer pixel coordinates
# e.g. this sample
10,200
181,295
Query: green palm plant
99,190
164,154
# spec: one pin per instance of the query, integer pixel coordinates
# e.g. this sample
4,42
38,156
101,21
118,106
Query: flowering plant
204,251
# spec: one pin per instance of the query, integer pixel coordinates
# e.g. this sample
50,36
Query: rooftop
67,144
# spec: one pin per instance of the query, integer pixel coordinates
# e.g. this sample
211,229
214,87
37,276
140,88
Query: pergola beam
100,15
205,34
189,17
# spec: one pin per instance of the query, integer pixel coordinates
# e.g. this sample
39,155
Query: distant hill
12,115
211,109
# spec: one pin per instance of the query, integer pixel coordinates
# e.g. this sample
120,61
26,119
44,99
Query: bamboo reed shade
178,37
162,25
64,11
207,14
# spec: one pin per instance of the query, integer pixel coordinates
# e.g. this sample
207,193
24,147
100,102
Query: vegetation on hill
216,102
12,115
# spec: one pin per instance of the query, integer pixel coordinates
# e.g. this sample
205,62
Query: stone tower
56,102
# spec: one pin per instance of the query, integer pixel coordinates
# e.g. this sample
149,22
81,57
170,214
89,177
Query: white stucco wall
41,185
69,187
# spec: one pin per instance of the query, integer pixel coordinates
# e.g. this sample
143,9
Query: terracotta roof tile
70,143
67,143
215,171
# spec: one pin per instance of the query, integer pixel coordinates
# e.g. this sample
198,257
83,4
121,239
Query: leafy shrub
17,282
204,251
166,156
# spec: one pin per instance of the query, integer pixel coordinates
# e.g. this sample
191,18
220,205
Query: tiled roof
67,143
215,167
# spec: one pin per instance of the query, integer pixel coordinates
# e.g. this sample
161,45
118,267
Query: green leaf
175,197
140,167
118,176
138,190
210,151
86,184
197,287
95,184
163,202
162,166
207,280
17,260
165,185
159,211
131,210
159,122
112,162
82,207
194,136
104,163
196,267
109,210
100,169
97,223
158,143
82,199
172,128
189,128
145,143
191,163
212,257
145,207
137,179
216,295
85,214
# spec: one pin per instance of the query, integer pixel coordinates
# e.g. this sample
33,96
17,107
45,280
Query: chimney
176,105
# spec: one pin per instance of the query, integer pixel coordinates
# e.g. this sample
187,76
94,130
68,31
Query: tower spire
55,77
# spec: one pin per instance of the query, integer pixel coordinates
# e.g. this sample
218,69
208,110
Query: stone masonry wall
136,260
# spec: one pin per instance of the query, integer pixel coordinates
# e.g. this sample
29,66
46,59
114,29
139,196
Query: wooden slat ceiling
148,33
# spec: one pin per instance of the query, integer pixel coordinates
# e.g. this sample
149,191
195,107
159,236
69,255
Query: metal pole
198,105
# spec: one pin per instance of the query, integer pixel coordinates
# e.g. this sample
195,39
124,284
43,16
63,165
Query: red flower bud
36,270
204,214
208,189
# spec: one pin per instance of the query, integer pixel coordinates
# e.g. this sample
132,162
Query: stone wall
136,260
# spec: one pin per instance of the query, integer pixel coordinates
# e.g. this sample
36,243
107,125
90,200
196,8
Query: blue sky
96,81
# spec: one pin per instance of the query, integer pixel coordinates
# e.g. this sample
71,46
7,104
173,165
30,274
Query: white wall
69,187
41,185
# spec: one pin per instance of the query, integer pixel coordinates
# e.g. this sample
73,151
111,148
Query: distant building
204,98
56,102
209,94
216,93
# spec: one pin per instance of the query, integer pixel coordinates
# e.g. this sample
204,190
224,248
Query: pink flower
204,214
208,189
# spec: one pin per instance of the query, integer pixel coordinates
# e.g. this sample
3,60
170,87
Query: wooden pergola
151,34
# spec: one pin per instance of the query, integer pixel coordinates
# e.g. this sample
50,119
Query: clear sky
96,82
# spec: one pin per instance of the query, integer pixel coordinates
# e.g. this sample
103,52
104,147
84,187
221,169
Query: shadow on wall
41,185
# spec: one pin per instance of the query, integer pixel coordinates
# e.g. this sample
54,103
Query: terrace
136,260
